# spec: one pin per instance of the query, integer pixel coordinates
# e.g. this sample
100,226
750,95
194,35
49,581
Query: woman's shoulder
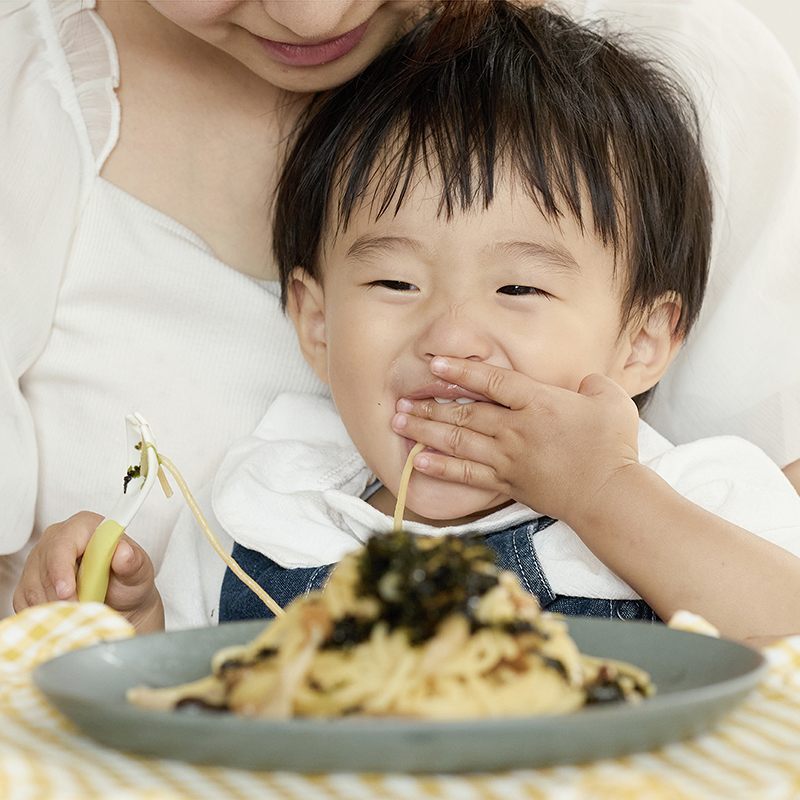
52,123
60,69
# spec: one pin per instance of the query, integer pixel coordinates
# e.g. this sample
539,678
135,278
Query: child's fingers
446,438
132,589
50,569
598,385
57,569
64,550
33,586
458,470
125,563
132,576
130,564
481,417
503,386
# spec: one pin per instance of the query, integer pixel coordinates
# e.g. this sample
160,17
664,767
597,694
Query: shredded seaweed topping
348,632
512,627
131,474
197,704
604,689
420,582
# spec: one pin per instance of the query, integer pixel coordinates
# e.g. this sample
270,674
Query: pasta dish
409,626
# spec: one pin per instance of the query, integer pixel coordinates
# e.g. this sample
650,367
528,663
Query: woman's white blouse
108,306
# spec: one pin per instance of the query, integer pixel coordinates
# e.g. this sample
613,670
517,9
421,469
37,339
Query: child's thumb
597,384
130,563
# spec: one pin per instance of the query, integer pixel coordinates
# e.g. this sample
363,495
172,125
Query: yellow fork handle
95,567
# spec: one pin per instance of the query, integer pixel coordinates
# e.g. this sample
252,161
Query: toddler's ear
305,304
652,342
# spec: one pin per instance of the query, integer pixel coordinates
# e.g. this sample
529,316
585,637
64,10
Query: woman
144,140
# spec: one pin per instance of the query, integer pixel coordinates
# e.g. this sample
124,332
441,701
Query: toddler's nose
458,334
313,19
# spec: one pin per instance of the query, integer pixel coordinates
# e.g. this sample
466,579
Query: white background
782,17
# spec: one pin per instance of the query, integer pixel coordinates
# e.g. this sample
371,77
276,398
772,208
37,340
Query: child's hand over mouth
550,448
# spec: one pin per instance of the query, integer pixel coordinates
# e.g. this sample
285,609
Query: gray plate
698,679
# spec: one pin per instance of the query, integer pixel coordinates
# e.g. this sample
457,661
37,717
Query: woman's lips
312,55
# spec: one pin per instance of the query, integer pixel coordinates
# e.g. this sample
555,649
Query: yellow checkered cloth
754,754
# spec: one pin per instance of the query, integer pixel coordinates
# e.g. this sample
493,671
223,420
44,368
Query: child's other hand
50,573
547,447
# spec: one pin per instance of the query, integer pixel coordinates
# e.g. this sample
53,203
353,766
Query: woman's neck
200,136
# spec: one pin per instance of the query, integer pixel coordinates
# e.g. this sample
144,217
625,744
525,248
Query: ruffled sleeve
50,156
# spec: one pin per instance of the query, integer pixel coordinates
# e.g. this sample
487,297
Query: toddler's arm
574,456
51,568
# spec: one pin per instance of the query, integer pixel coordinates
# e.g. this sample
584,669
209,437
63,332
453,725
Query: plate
698,680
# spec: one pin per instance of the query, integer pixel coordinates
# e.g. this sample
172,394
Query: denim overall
514,549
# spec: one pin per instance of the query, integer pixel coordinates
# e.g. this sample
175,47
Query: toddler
494,242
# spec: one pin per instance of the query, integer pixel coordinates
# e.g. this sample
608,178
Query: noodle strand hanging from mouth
401,492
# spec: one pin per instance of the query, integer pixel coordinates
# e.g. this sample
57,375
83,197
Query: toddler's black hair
481,90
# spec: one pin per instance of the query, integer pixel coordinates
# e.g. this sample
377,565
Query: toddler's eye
395,286
518,291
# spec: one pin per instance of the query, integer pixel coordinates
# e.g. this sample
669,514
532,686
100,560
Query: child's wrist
612,504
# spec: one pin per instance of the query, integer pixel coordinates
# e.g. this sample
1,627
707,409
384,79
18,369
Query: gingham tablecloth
754,754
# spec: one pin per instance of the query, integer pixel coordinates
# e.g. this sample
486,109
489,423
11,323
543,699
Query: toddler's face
505,286
296,45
